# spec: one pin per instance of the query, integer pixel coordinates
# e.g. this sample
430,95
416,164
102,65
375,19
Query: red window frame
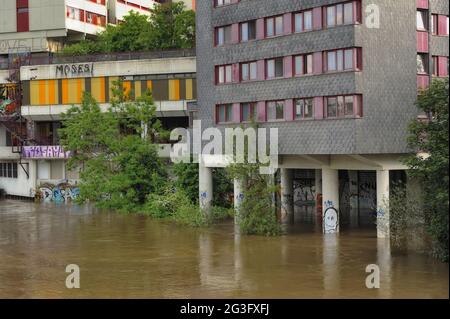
294,109
357,106
226,79
305,64
294,24
275,68
267,110
227,120
356,60
275,34
249,73
253,112
356,13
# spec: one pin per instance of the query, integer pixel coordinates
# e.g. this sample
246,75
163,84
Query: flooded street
131,256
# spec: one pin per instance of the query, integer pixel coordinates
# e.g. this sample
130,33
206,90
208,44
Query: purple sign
51,151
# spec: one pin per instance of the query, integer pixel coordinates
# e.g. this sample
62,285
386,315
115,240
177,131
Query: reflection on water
130,256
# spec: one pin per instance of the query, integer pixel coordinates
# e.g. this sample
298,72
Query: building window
248,71
343,106
274,26
439,25
223,35
343,59
8,170
274,68
422,64
248,112
304,109
248,31
224,74
224,113
340,14
275,110
220,3
440,66
422,20
303,64
303,21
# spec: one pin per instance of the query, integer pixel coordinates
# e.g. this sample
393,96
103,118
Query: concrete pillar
384,262
287,195
330,200
383,230
331,265
353,190
205,187
238,197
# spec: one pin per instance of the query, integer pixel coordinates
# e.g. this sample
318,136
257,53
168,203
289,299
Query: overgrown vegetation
431,138
257,210
406,218
187,179
170,26
117,156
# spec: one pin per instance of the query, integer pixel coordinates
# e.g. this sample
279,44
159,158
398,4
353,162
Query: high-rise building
339,79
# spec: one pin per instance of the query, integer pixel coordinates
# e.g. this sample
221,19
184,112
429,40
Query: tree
431,138
118,161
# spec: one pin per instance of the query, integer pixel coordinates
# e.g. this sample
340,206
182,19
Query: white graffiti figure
47,194
330,221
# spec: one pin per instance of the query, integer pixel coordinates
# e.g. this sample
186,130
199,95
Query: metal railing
56,58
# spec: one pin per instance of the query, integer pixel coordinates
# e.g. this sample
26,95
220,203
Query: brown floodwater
131,256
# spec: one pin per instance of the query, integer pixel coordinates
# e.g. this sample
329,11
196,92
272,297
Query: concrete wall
47,14
8,16
21,186
118,68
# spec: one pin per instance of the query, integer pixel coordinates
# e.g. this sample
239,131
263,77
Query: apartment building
30,152
46,25
339,79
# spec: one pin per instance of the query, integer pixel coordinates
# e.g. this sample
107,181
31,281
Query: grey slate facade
387,82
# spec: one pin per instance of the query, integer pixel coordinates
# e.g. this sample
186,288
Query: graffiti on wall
49,151
304,192
62,192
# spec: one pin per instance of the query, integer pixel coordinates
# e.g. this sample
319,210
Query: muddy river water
132,256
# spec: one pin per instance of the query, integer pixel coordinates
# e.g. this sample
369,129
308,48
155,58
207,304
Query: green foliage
83,47
187,179
170,26
119,166
405,217
257,211
431,137
174,204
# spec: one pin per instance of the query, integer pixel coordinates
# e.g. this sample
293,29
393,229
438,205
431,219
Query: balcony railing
52,58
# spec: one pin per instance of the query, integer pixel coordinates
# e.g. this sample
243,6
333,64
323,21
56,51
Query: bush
175,205
257,211
406,218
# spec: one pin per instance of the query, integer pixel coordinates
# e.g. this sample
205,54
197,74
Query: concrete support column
205,187
238,197
330,200
383,229
353,190
287,196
